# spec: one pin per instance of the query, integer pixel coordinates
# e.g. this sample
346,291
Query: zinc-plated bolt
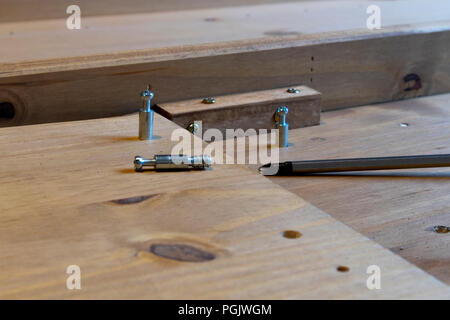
282,126
193,128
209,100
146,115
147,96
293,90
280,116
172,162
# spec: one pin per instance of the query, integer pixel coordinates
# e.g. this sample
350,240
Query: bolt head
147,93
282,110
293,90
207,161
209,100
193,128
138,163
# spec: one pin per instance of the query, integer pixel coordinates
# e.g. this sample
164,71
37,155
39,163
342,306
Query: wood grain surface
56,74
252,110
49,43
25,10
397,209
69,196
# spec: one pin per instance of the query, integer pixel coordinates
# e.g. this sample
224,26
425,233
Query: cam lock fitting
282,126
146,115
172,162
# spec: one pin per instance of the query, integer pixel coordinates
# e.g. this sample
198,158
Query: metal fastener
209,100
293,90
172,162
282,126
193,128
146,115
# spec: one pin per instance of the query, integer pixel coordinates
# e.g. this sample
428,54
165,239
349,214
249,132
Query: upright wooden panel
59,74
69,197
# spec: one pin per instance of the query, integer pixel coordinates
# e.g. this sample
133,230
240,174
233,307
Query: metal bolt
293,90
209,100
146,115
282,126
147,96
280,115
193,128
172,162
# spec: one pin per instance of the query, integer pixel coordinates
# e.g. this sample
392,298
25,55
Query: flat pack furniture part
253,110
74,199
195,53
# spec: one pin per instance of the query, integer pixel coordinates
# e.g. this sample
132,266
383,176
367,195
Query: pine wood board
107,37
375,72
398,208
53,74
69,196
25,10
252,110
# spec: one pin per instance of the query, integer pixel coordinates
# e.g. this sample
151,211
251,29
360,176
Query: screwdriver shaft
363,164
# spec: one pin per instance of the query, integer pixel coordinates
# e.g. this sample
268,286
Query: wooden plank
252,110
70,197
343,81
202,54
25,10
394,208
35,46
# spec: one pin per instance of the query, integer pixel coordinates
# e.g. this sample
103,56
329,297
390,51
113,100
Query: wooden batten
253,110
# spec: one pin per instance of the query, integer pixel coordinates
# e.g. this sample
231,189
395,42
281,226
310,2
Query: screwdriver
356,164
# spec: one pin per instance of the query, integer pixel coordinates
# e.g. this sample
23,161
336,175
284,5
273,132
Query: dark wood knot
413,82
181,252
133,200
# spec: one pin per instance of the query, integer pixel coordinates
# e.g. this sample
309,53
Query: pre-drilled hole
343,269
7,111
291,234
